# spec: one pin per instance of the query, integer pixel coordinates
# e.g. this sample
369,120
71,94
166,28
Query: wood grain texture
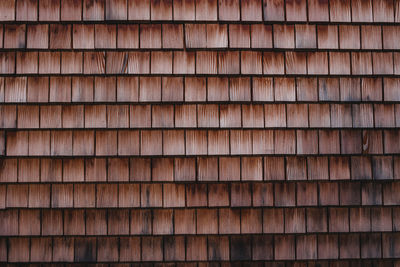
199,132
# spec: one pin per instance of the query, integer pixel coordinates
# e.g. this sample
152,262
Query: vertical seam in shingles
338,245
284,11
141,244
63,221
59,10
359,237
127,10
240,11
26,37
329,11
81,11
73,193
30,248
15,11
107,221
218,3
393,62
372,15
351,11
105,10
118,185
15,62
381,41
381,240
97,239
394,11
230,247
307,58
307,13
172,15
3,36
183,79
373,114
272,38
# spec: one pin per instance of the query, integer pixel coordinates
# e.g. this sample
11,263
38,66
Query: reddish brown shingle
71,10
93,9
83,36
60,36
14,36
37,36
7,10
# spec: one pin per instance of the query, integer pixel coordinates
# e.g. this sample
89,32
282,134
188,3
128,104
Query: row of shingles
289,36
99,36
198,142
311,263
202,248
202,169
171,36
202,63
167,195
210,221
275,263
212,248
235,194
246,141
223,10
201,116
81,89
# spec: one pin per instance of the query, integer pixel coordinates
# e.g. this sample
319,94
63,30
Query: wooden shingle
94,63
149,89
239,36
361,11
184,62
7,10
371,37
60,36
83,36
71,10
229,10
150,36
105,36
93,10
37,36
283,36
274,11
296,11
340,11
49,10
261,36
49,62
7,61
139,9
318,10
116,10
184,9
27,62
251,10
217,36
383,11
273,63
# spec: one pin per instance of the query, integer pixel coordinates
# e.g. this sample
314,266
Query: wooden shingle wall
200,132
